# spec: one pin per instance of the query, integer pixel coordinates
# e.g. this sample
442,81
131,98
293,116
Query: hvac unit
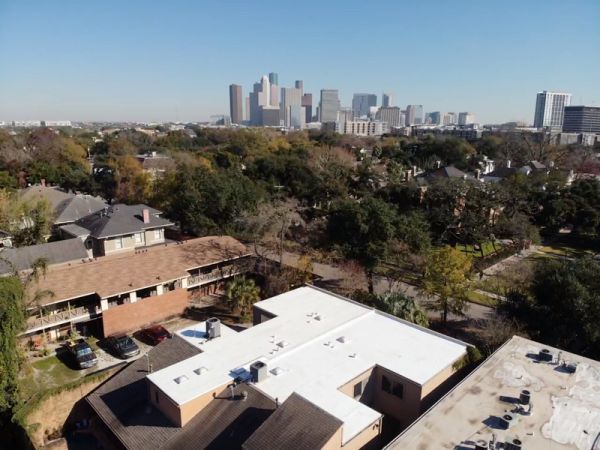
213,328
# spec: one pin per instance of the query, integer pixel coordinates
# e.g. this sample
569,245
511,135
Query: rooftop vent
200,370
524,397
513,444
342,339
180,379
277,371
213,328
545,355
282,344
259,371
318,317
481,445
508,420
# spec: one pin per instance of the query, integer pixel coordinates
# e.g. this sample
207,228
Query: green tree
446,280
12,321
241,293
362,232
402,306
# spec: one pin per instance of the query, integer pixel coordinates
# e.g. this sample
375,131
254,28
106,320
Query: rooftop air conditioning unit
481,445
213,328
259,371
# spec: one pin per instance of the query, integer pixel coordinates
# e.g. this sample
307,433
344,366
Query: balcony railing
56,317
195,280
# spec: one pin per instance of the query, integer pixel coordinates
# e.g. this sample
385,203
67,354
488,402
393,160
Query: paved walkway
332,276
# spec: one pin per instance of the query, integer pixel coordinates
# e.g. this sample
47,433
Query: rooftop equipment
259,371
213,328
524,397
545,355
508,420
513,444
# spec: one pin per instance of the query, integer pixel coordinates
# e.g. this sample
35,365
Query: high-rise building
550,109
466,118
260,97
270,116
329,105
387,99
236,107
361,127
299,84
433,118
450,119
297,117
582,119
345,114
307,104
289,97
274,78
391,115
414,115
361,103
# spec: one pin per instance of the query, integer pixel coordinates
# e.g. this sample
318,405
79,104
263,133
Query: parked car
155,334
83,354
123,346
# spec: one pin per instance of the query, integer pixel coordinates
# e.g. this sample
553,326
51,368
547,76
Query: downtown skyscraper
414,115
387,99
362,103
550,109
329,105
236,106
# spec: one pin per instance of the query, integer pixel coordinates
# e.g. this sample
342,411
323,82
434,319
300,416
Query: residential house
119,228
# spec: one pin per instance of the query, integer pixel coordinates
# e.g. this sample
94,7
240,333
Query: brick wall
133,316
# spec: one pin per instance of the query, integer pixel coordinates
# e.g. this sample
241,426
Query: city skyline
65,64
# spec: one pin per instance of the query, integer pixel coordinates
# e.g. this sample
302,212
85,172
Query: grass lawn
487,247
481,299
555,250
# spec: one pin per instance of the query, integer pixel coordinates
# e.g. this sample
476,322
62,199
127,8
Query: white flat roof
565,413
310,358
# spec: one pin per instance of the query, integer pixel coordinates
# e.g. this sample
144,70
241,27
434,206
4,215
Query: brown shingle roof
297,424
113,275
225,423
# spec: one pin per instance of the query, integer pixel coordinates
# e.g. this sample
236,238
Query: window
386,385
398,390
138,238
358,389
158,234
118,243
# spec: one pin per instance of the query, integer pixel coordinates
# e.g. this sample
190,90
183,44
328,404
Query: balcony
217,274
53,318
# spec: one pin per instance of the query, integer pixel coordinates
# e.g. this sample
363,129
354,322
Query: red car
155,334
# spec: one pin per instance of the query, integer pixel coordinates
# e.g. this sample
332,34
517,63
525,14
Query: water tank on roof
508,420
213,328
513,444
481,445
545,355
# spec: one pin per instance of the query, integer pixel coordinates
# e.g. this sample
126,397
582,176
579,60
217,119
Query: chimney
508,163
146,215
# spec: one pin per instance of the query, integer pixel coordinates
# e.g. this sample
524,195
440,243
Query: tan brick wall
132,316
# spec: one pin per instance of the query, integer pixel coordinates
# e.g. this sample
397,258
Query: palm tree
403,307
241,294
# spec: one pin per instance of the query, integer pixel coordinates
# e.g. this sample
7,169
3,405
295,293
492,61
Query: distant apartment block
582,119
361,127
549,109
391,115
466,118
450,119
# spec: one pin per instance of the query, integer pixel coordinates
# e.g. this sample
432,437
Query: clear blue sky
159,60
